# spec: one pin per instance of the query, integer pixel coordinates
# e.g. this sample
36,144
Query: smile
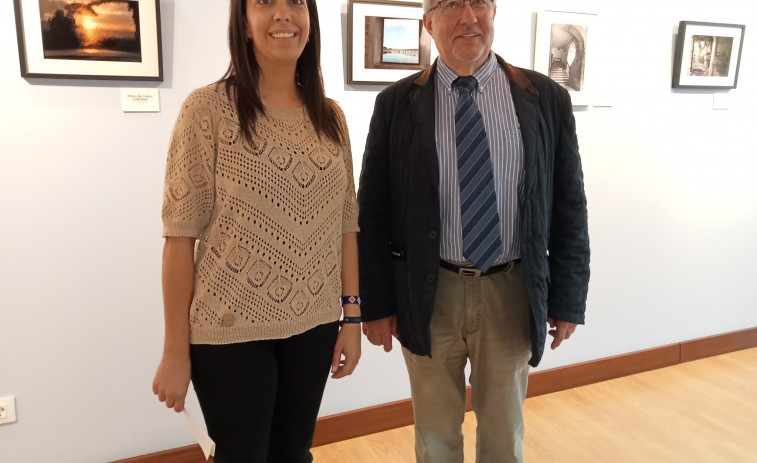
283,35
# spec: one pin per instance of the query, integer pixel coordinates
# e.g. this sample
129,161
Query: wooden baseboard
718,344
581,374
356,423
188,454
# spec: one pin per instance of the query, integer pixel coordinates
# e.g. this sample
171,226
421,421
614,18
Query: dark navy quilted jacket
399,208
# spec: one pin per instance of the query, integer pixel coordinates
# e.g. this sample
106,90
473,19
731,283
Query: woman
260,221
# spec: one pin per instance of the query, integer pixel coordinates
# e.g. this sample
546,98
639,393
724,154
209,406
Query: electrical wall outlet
7,410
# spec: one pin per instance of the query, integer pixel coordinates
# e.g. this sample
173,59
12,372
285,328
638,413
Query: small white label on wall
140,100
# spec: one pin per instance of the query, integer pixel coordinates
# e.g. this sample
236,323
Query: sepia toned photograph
105,30
89,39
710,56
386,41
567,55
563,51
707,55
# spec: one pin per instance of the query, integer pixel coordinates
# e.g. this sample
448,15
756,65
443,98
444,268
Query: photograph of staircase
562,51
568,55
558,73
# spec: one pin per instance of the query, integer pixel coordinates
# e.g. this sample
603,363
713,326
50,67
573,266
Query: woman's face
279,29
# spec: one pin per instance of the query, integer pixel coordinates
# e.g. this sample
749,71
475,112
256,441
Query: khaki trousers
484,320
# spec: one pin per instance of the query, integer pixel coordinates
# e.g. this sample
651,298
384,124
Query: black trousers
260,399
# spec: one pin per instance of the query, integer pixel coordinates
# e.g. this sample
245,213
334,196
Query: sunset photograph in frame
95,39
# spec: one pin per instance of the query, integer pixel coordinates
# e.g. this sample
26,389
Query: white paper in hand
206,443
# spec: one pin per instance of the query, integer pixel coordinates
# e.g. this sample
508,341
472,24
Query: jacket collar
513,74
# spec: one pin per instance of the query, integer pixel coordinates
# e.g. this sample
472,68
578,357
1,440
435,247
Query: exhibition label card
140,100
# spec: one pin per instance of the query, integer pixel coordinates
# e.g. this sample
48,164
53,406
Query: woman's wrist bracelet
351,320
350,300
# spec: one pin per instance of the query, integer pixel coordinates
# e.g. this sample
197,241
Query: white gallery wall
670,183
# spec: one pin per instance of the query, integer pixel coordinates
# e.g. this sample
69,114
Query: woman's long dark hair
242,77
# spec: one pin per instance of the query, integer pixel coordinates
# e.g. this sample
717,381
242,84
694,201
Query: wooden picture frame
382,43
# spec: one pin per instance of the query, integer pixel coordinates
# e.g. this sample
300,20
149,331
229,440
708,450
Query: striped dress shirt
495,102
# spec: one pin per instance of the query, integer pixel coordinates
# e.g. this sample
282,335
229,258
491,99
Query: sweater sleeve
189,191
350,212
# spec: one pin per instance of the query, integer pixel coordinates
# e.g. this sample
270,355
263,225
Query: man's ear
427,24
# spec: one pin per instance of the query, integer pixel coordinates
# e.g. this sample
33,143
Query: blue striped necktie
482,243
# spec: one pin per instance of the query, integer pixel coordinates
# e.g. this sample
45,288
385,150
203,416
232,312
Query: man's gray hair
428,4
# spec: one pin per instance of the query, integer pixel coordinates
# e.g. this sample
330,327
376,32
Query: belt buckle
469,272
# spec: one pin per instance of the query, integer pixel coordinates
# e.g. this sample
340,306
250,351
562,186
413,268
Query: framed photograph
563,51
89,39
386,41
707,55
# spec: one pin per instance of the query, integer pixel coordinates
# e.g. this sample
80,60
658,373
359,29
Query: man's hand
380,331
560,331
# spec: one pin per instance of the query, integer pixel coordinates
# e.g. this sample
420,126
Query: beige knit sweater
269,219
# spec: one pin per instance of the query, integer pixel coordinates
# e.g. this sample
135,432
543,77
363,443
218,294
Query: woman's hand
172,380
346,351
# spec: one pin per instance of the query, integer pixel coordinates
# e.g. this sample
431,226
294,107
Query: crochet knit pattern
269,218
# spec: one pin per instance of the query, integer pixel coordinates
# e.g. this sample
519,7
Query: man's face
463,37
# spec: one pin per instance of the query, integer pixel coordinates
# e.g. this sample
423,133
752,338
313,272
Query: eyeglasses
450,7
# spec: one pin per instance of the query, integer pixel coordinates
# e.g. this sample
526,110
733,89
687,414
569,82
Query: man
473,232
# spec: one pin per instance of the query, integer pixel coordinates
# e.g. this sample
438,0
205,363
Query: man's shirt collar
483,75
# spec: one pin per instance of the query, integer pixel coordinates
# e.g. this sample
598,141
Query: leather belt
474,272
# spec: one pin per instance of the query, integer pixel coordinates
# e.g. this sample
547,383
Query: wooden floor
702,411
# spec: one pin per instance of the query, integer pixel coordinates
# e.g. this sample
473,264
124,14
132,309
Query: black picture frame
73,43
707,55
365,35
